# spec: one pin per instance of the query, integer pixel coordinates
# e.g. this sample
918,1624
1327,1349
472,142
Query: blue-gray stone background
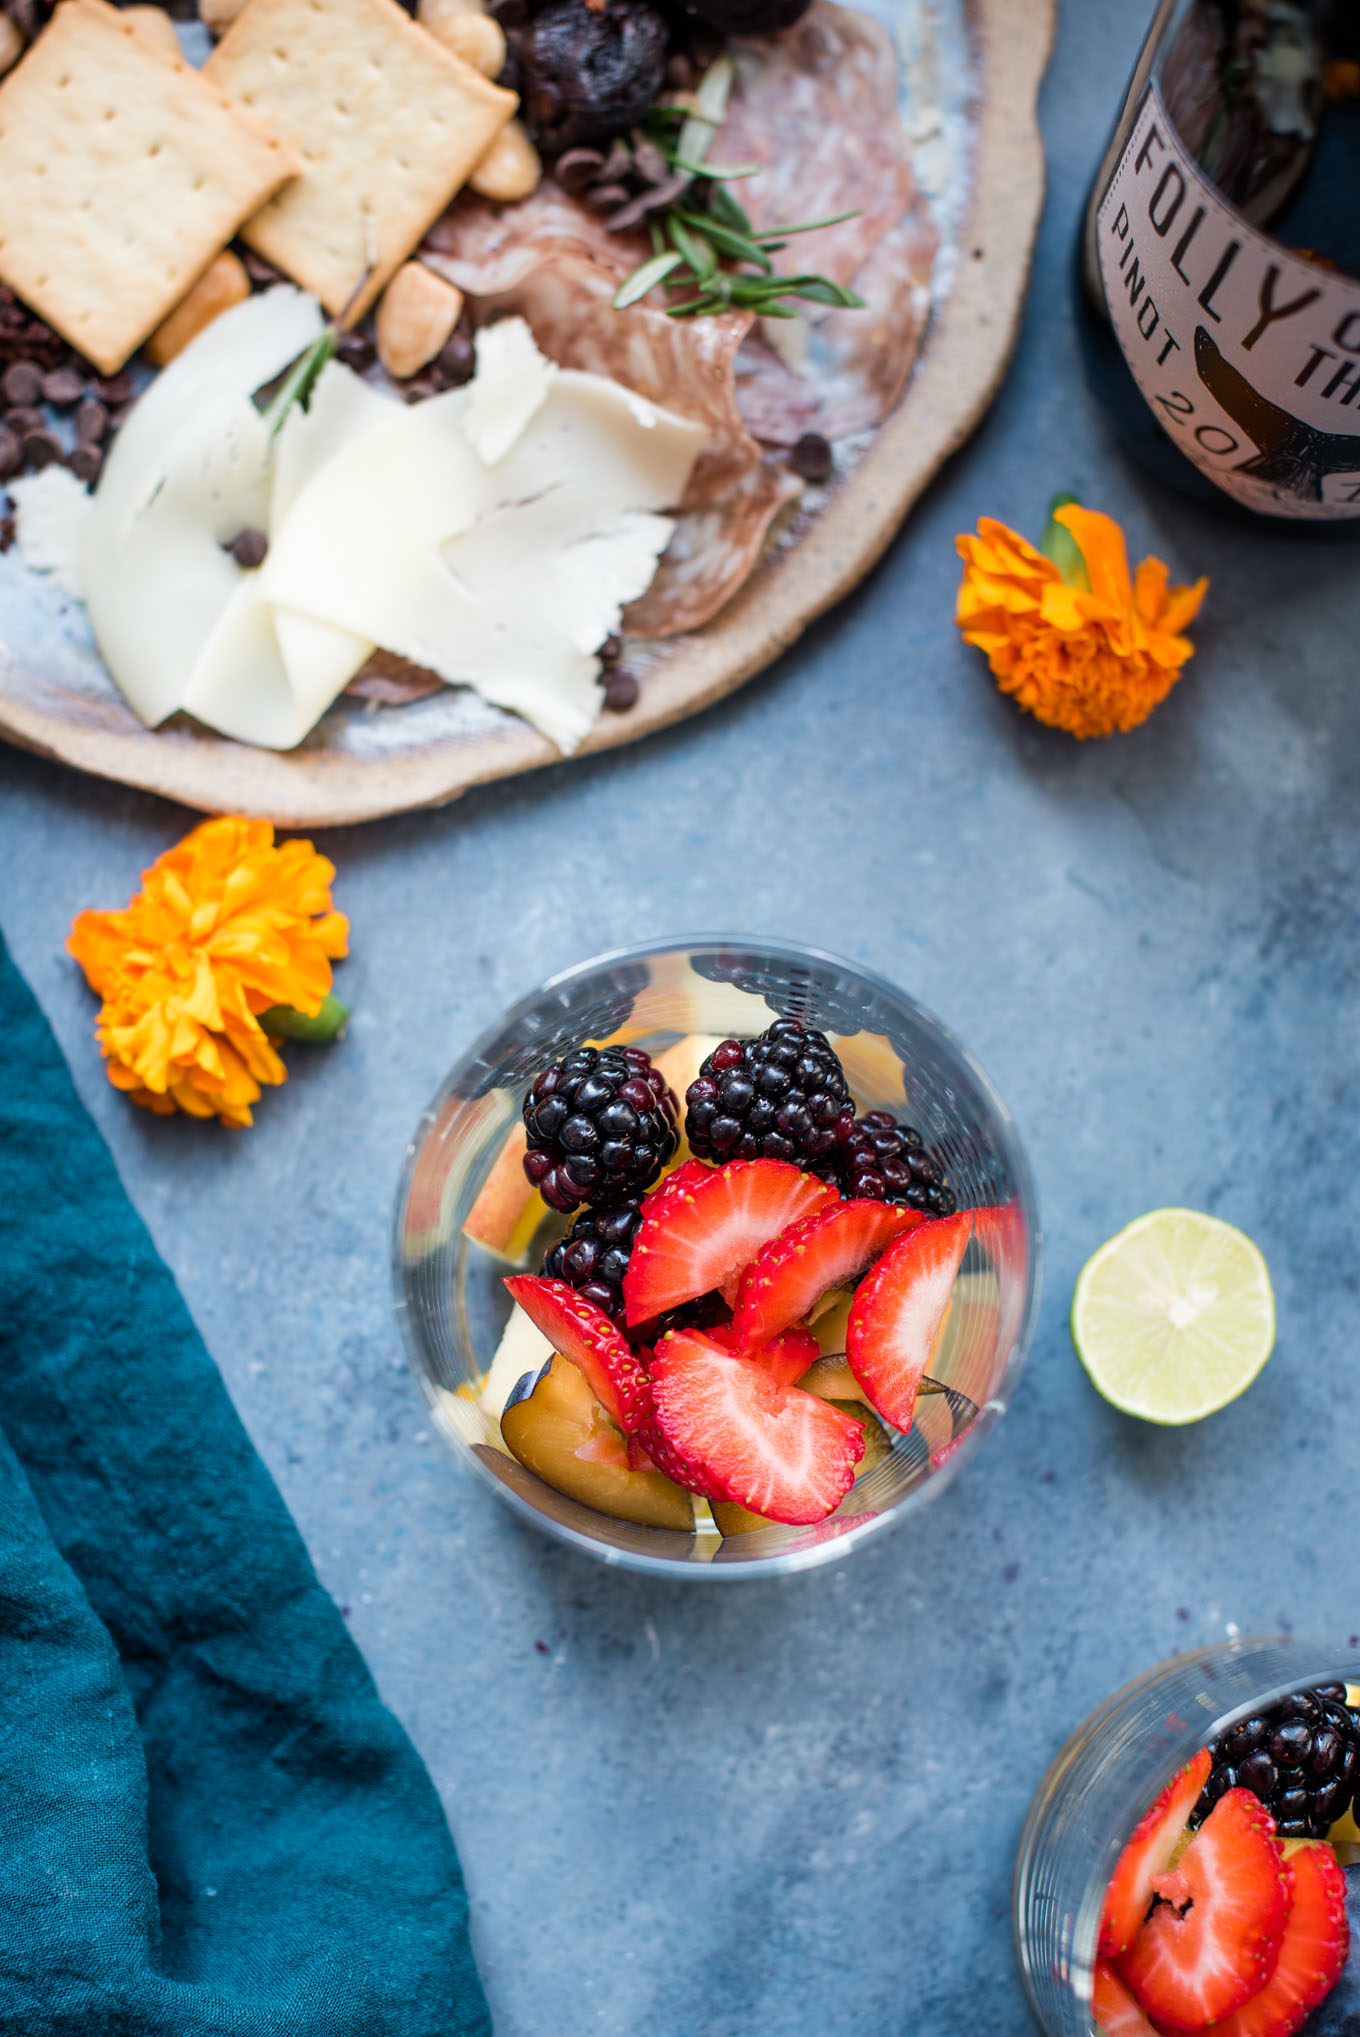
792,1808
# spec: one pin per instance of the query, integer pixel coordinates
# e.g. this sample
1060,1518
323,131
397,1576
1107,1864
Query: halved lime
1174,1317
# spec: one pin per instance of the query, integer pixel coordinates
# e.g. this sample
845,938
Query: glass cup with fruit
1192,1858
713,1258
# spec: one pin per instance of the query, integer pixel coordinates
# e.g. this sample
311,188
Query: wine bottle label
1248,354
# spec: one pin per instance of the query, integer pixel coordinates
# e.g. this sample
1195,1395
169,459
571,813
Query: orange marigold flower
225,926
1089,650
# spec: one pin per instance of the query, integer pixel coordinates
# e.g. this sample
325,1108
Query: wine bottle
1218,265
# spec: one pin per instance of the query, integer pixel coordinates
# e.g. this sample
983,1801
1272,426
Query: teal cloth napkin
208,1821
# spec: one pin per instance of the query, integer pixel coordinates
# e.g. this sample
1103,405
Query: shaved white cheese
505,578
188,471
155,567
512,379
51,509
492,534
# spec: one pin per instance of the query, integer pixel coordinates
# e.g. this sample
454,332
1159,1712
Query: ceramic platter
971,72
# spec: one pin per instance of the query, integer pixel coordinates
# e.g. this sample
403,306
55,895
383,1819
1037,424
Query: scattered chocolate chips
811,457
578,169
249,548
356,350
85,462
92,421
24,418
7,532
261,273
118,388
21,383
620,690
605,197
456,360
10,453
39,449
611,650
62,387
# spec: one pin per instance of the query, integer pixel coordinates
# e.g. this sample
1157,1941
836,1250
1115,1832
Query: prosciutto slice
816,107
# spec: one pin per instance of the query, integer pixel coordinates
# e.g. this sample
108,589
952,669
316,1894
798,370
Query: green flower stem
1059,545
283,1022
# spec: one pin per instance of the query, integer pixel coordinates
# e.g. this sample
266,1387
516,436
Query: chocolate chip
24,418
62,388
39,449
92,421
680,71
418,388
811,457
10,454
356,350
610,651
260,272
249,549
604,197
115,388
21,383
28,17
455,361
7,532
620,691
84,462
578,168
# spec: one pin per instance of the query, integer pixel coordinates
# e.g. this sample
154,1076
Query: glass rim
863,1528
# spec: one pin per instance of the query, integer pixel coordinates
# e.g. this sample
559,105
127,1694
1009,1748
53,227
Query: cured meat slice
551,261
817,108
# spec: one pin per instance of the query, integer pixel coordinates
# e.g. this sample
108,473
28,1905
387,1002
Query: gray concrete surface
791,1810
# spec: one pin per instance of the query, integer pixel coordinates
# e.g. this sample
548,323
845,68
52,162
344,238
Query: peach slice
558,1430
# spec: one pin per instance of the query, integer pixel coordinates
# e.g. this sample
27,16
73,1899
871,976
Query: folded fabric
208,1821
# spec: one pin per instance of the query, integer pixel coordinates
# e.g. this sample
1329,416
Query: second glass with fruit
1227,1909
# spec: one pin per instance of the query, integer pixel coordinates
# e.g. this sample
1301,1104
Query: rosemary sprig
704,242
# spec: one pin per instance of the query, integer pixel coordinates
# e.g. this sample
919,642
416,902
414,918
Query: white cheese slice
505,578
156,574
266,676
187,472
511,381
51,509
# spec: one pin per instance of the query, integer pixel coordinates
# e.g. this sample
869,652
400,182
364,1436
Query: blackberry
1301,1758
780,1097
593,1256
601,1126
889,1163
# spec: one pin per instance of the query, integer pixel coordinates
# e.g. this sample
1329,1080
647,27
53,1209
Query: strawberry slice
1117,2014
897,1312
826,1250
1128,1897
681,1177
741,1436
1313,1950
1213,1940
582,1332
696,1236
785,1357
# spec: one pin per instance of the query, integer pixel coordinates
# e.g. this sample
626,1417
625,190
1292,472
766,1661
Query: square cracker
123,173
388,123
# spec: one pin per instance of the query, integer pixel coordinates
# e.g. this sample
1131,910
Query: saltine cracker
387,122
123,172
